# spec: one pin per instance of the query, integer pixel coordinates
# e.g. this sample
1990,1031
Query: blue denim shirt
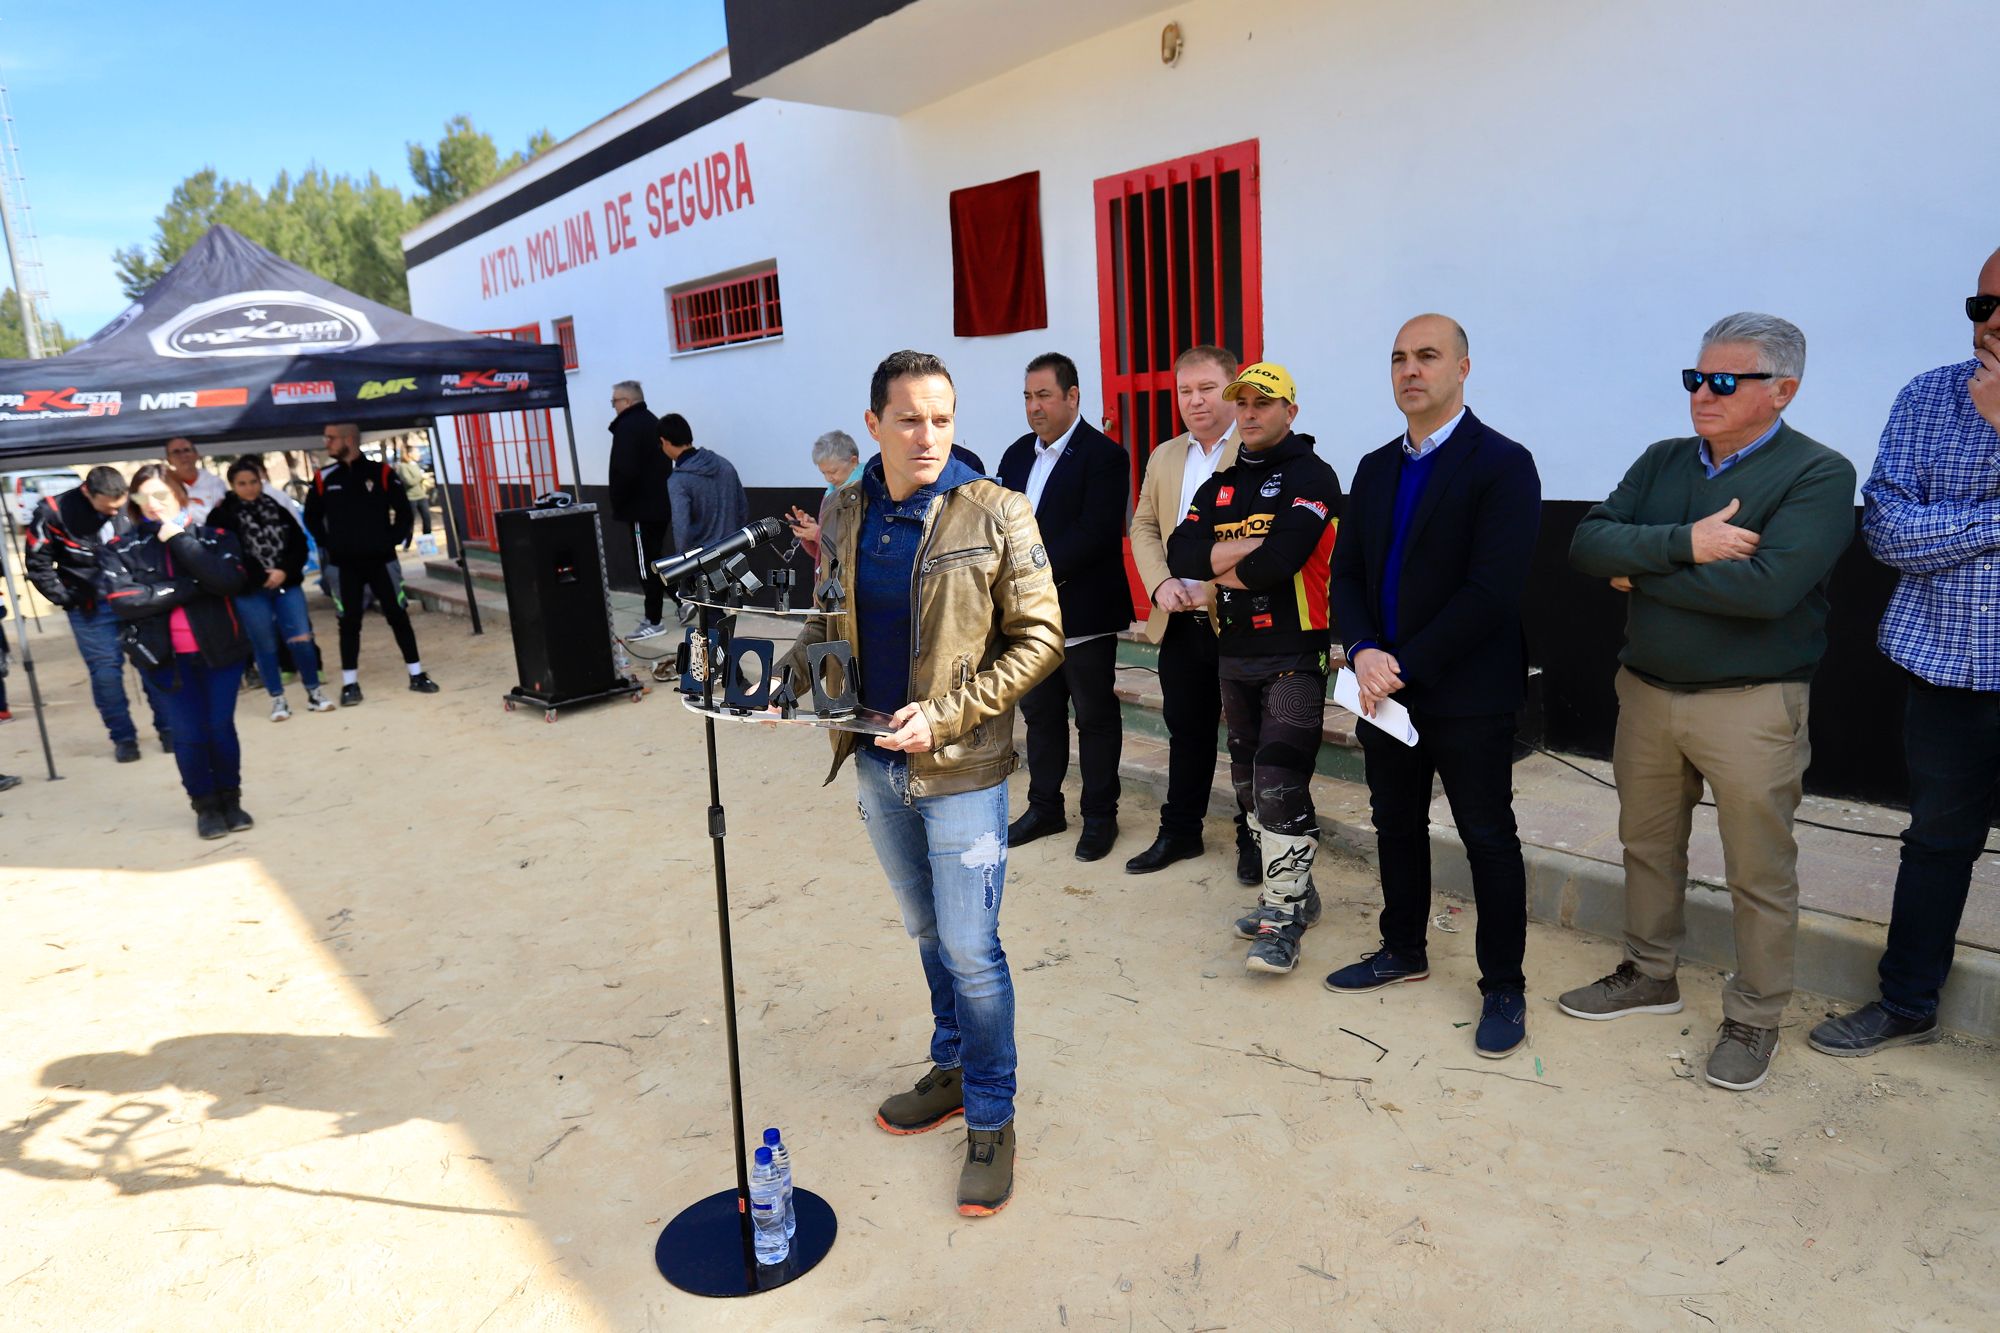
884,574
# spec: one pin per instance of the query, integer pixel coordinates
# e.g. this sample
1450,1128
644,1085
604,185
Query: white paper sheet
1390,716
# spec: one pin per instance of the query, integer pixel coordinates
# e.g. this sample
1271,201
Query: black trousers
1473,756
1084,681
372,575
1191,702
652,546
1274,738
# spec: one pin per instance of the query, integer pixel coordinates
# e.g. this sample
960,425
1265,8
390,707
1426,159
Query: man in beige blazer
1180,622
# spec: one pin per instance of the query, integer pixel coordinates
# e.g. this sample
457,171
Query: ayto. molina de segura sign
706,188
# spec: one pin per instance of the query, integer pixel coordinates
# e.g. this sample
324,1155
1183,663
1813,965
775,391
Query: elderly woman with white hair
838,459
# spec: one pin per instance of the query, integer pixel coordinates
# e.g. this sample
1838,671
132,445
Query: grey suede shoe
1742,1055
1626,991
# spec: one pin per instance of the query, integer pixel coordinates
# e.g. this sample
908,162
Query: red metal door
506,459
1179,262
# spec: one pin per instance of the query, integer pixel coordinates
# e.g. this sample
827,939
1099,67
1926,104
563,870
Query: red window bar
506,459
1179,262
737,310
565,330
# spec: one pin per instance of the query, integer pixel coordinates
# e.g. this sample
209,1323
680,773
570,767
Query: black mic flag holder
709,1247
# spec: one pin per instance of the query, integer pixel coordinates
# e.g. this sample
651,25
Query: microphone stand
709,1248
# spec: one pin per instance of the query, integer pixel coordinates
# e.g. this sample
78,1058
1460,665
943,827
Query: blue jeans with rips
97,634
269,613
946,859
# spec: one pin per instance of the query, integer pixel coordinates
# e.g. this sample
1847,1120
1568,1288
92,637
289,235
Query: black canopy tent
234,343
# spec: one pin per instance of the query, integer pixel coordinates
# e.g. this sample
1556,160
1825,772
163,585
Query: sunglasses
1980,308
1721,382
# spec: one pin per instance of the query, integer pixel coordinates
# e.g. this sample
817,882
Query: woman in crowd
272,603
839,462
170,584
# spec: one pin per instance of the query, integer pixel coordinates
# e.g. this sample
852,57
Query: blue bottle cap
771,1137
763,1157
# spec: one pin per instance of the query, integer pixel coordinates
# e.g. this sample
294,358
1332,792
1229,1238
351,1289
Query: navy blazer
1465,568
1082,518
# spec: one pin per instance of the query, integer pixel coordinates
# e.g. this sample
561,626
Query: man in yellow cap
1263,530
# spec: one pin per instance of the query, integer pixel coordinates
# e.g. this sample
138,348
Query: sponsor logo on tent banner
264,323
386,388
482,381
303,391
170,402
56,404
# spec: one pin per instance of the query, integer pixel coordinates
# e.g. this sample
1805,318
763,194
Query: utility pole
24,252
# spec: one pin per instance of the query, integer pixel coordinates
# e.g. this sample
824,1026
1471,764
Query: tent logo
56,404
386,388
483,381
170,402
303,391
264,323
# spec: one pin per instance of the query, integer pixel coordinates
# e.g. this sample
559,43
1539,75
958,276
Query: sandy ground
438,1046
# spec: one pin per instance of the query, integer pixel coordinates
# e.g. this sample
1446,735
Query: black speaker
557,603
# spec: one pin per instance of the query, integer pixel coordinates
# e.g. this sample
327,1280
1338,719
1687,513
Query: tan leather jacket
987,628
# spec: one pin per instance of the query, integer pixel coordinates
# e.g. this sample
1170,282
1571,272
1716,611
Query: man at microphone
938,579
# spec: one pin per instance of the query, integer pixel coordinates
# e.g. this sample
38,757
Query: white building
1585,186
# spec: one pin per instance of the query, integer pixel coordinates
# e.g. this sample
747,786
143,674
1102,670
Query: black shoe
1249,858
166,740
1096,839
234,817
350,695
423,684
1166,849
208,820
1032,825
1869,1029
8,780
126,752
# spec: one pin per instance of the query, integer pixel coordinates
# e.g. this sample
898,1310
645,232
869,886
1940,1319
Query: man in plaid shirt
1933,513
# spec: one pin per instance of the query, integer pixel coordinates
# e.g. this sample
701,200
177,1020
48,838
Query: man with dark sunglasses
1724,543
1932,514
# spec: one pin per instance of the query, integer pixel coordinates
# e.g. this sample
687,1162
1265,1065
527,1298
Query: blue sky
114,103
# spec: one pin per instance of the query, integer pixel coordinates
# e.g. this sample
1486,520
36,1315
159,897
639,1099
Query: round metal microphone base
702,1251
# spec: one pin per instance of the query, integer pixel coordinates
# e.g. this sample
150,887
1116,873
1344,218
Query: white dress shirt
1434,439
1046,457
1200,467
203,494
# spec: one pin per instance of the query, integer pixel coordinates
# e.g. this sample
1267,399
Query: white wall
1585,186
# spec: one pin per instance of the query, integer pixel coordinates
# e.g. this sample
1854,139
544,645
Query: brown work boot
938,1096
986,1181
1626,991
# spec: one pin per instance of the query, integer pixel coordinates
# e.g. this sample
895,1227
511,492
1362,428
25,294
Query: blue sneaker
1503,1025
1376,970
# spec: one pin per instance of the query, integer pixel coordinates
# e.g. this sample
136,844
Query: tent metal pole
28,658
451,532
576,468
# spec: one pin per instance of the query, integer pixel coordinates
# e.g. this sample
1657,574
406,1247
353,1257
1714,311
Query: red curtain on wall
996,257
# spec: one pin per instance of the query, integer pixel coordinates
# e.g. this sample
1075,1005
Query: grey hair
1781,346
631,388
834,444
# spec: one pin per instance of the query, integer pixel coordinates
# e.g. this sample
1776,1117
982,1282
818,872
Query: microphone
676,568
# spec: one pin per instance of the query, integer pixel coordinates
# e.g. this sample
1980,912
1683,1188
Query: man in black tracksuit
358,513
639,472
1263,529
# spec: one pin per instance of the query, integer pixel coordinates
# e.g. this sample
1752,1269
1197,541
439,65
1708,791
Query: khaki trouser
1750,744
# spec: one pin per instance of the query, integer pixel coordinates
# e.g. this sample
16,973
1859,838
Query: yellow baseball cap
1266,377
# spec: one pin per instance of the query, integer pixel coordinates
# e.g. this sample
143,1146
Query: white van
25,490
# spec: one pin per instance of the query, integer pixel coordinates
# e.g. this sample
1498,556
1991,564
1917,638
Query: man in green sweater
1724,543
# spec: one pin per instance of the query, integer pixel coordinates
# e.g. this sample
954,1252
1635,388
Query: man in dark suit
1078,482
639,472
1427,581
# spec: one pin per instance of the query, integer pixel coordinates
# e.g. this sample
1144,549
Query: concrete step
1837,954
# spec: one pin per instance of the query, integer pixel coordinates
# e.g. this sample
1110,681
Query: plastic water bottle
781,1157
767,1210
